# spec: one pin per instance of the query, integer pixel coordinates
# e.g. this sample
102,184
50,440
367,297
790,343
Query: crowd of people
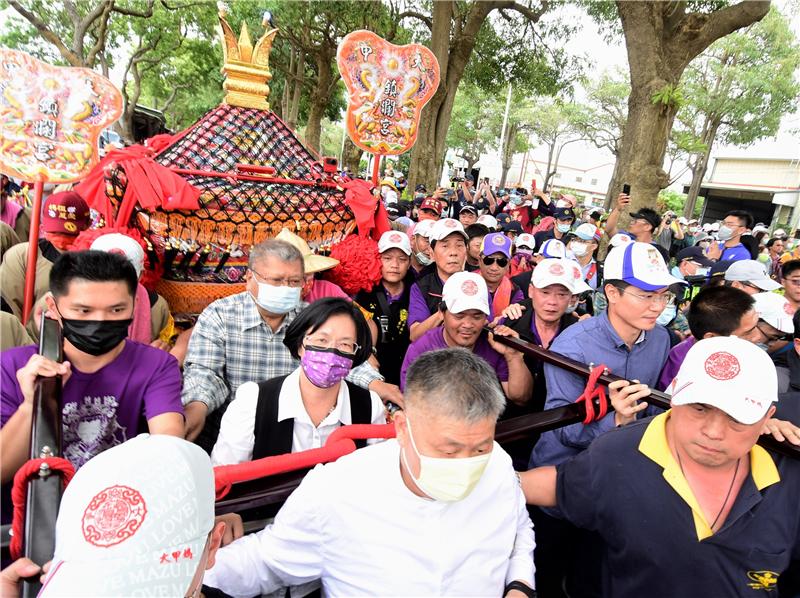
640,501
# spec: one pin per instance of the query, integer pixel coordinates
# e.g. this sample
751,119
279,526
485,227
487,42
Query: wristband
521,587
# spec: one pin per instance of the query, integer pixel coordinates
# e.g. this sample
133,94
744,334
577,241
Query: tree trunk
661,40
700,167
612,185
351,157
320,97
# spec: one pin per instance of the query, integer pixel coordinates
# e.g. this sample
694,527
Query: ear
216,540
401,427
50,302
770,412
612,293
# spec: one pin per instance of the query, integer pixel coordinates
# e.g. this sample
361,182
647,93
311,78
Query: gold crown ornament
246,68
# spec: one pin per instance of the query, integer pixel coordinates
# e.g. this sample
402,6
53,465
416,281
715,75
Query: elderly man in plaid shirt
239,339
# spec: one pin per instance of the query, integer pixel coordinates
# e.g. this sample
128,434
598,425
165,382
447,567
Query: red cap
432,204
66,213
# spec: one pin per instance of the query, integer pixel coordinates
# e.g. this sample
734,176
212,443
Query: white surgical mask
724,233
447,480
666,316
573,305
277,300
579,249
423,258
563,228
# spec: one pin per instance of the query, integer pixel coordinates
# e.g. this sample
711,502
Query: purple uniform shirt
676,356
108,407
434,339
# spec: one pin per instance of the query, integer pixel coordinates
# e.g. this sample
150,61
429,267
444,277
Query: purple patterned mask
325,368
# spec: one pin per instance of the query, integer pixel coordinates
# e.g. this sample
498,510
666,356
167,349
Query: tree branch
145,14
100,41
47,34
531,15
413,14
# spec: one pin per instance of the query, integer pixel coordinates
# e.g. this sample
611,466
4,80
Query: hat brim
318,263
766,284
460,305
691,394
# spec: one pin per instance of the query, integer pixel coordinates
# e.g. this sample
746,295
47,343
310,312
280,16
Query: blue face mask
676,272
666,316
277,300
563,228
516,200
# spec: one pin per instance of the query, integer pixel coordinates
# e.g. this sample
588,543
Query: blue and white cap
640,265
553,248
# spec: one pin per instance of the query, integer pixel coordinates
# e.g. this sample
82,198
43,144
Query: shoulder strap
360,407
431,291
271,437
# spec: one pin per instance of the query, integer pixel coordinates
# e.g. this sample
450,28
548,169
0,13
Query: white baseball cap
775,310
728,373
122,244
640,265
620,239
446,227
466,290
423,228
588,232
779,233
488,221
559,271
525,240
393,239
753,272
553,248
134,521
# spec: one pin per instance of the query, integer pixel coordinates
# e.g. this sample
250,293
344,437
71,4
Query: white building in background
766,186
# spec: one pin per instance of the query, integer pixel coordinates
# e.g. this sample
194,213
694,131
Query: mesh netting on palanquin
255,178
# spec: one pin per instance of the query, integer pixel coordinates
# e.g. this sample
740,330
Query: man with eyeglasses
791,283
775,325
750,276
495,257
626,339
239,338
730,248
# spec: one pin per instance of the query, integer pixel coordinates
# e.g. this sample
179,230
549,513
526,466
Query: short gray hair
286,252
455,383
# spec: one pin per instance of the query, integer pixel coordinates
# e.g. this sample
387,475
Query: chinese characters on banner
51,118
387,85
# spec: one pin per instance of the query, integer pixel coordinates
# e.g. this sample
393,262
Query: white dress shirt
356,526
236,438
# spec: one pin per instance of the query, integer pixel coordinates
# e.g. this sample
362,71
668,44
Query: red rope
339,443
594,391
19,494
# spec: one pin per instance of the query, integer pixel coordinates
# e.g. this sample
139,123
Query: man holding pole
686,504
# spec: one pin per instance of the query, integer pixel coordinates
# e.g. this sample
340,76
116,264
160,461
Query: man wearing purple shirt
465,309
111,384
715,311
449,243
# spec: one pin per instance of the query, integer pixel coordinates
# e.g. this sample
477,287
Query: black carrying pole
656,398
44,491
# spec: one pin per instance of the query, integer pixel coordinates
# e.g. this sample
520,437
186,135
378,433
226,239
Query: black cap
695,254
469,208
648,214
564,214
513,227
469,178
420,188
596,215
503,217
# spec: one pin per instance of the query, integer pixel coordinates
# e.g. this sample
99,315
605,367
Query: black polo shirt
628,487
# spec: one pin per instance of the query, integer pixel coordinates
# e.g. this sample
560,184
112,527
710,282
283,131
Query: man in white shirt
436,512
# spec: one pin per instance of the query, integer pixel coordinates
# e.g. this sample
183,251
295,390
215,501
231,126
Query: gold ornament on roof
246,68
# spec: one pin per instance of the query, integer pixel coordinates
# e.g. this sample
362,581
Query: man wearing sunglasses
625,338
775,325
493,264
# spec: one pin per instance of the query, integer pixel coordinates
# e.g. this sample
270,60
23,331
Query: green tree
554,127
738,91
661,39
470,133
456,31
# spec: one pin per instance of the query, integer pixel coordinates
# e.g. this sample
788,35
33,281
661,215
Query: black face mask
95,337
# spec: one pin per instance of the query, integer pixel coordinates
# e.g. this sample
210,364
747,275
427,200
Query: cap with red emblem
728,373
393,239
561,271
464,291
134,521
